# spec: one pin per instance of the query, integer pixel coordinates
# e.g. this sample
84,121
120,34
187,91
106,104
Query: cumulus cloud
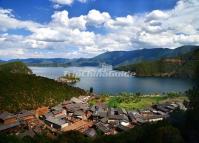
72,38
97,18
8,21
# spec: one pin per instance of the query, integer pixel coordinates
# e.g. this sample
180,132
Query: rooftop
6,115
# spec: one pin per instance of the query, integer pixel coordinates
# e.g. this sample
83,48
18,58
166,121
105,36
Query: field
133,101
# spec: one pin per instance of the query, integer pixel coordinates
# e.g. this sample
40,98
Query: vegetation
161,132
69,78
23,91
181,66
136,101
15,67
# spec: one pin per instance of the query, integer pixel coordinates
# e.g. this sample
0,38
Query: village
77,114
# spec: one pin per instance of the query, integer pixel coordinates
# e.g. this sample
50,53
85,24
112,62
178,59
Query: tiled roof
57,121
102,127
6,115
5,127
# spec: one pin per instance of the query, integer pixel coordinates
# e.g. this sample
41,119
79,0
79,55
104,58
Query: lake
115,81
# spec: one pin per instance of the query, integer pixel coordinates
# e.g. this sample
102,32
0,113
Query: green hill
181,66
21,90
15,67
115,58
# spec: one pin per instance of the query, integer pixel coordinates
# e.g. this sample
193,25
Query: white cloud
8,21
62,2
156,15
70,38
83,1
97,18
59,3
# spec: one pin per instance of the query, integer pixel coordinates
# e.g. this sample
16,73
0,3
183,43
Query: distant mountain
186,66
126,57
43,62
115,58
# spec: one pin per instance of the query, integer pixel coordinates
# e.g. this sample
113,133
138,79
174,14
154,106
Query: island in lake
68,78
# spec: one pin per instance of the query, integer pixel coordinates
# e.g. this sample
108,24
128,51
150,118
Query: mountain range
183,66
115,58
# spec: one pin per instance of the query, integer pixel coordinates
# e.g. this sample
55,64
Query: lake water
117,82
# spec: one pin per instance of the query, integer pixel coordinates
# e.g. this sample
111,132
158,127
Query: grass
133,102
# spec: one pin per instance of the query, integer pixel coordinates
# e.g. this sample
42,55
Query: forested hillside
21,90
185,66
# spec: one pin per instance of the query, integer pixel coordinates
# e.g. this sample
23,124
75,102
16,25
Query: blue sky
86,28
41,10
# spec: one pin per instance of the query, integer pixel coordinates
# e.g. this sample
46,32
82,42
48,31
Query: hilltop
15,67
21,90
180,66
115,58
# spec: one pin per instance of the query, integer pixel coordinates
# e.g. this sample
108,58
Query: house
8,118
122,118
136,118
158,112
114,124
71,108
84,99
174,105
66,102
88,114
75,100
181,106
83,106
25,115
47,115
154,118
56,108
57,113
103,127
80,114
41,111
125,122
124,111
145,111
161,108
90,132
57,122
104,120
100,114
170,107
93,108
115,115
7,127
132,117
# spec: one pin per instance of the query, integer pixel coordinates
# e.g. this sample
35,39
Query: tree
166,134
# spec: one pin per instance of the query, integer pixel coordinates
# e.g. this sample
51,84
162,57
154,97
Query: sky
86,28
